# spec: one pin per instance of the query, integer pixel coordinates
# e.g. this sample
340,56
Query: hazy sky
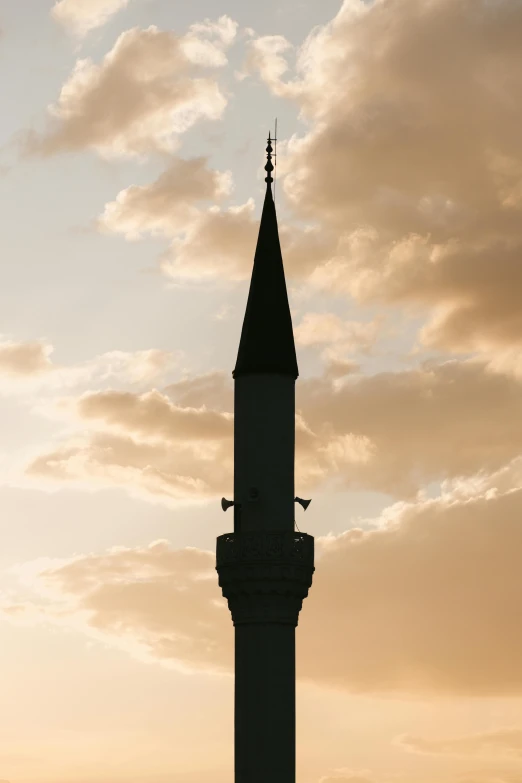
132,137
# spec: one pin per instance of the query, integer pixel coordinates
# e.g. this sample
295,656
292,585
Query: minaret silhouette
265,568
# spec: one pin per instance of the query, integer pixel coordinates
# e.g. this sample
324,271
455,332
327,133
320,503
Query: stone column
265,576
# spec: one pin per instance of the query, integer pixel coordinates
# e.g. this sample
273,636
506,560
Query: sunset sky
132,136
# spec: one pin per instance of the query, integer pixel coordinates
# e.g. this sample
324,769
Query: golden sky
132,137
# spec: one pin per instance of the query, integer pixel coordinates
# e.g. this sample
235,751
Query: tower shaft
264,701
265,568
264,445
265,576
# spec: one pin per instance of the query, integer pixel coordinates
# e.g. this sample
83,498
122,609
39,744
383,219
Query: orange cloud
218,242
317,328
160,472
413,163
147,90
208,242
24,359
145,443
221,242
434,422
339,368
498,742
390,432
165,206
344,777
151,600
500,777
152,415
27,365
82,16
194,392
339,339
428,602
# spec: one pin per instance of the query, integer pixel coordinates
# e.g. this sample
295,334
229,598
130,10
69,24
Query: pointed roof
267,339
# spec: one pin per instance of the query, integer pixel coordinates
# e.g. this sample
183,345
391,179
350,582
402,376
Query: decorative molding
265,575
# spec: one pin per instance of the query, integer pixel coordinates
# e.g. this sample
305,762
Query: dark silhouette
265,568
267,338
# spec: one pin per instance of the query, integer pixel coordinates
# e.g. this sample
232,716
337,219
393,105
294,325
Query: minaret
265,568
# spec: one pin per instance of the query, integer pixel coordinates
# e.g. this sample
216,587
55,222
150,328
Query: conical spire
267,339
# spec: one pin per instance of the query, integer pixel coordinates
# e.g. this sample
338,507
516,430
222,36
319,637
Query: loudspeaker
225,504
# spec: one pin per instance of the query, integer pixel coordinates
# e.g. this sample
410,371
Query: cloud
195,391
266,56
498,777
27,365
205,242
411,164
204,39
344,777
426,603
152,415
168,451
82,16
392,432
24,359
221,243
431,423
156,472
136,367
167,205
137,599
143,442
433,596
339,368
317,328
218,242
337,337
498,742
148,89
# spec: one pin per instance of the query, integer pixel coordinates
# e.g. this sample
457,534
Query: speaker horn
303,503
225,504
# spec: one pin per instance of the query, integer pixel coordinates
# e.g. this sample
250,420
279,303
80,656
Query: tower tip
269,165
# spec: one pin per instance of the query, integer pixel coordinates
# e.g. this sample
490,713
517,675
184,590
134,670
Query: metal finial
269,165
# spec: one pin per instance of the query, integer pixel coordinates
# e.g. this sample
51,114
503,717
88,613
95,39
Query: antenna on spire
269,165
275,158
